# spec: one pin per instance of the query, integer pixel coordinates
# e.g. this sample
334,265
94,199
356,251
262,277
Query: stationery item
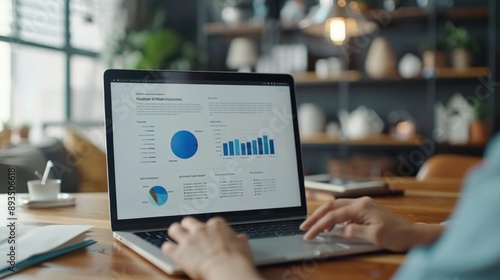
323,187
62,200
38,244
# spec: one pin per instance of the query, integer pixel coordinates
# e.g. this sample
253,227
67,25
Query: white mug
40,192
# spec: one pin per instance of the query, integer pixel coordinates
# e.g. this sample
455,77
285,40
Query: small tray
63,200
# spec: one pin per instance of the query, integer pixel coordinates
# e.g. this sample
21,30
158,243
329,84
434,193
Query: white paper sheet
40,240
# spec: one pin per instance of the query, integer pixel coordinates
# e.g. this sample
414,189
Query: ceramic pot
5,137
434,59
24,133
478,132
461,59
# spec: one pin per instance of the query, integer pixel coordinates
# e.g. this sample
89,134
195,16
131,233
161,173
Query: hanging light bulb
336,30
337,20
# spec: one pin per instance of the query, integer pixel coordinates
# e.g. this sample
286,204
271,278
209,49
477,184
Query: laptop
208,144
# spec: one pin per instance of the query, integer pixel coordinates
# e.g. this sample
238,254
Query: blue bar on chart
260,146
231,148
237,147
266,145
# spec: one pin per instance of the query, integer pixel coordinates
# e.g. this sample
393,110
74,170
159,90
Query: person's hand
364,218
210,251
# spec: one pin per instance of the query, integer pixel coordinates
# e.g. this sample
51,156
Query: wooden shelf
241,29
377,140
354,76
467,13
311,77
453,73
421,13
254,29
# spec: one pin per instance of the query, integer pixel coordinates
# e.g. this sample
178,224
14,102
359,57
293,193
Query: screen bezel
192,77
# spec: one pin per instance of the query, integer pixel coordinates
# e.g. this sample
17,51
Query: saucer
63,199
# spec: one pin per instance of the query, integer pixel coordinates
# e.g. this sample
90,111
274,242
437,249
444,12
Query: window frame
67,49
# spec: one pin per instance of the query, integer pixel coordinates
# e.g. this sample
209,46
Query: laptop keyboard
269,229
253,231
154,237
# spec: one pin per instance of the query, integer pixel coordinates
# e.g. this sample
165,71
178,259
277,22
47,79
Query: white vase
311,119
380,62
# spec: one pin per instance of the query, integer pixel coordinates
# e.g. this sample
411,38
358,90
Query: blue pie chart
184,144
158,195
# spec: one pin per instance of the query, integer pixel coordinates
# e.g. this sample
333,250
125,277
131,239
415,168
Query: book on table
323,186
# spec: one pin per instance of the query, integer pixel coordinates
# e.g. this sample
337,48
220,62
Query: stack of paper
30,245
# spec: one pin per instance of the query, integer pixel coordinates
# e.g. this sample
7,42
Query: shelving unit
412,13
256,29
352,88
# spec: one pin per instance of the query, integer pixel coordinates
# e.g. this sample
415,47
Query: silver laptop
208,144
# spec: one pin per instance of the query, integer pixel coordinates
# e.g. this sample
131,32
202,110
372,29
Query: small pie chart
157,195
184,144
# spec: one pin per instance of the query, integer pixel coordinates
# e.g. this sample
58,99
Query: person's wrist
426,234
230,267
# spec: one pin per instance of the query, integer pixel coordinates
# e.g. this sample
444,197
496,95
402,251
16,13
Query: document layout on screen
184,149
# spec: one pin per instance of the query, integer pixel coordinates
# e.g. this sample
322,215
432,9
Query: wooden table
429,202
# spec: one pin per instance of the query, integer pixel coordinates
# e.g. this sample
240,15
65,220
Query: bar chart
260,146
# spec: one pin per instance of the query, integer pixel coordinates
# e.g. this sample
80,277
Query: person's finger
168,249
324,223
323,210
217,222
242,236
329,220
191,224
176,232
219,226
355,231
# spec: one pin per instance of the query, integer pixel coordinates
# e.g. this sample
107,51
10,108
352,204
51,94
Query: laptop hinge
232,223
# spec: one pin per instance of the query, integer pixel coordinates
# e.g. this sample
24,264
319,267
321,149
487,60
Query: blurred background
382,85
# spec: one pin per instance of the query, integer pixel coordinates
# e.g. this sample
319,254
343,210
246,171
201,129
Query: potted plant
479,127
5,134
461,45
24,131
153,47
433,55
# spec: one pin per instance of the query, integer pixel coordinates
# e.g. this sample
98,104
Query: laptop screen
206,147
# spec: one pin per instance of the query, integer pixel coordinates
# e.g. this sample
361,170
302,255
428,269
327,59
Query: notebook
208,144
325,187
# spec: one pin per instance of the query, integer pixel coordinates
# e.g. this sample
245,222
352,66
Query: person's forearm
234,268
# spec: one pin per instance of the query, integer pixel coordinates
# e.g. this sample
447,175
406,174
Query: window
5,84
50,53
